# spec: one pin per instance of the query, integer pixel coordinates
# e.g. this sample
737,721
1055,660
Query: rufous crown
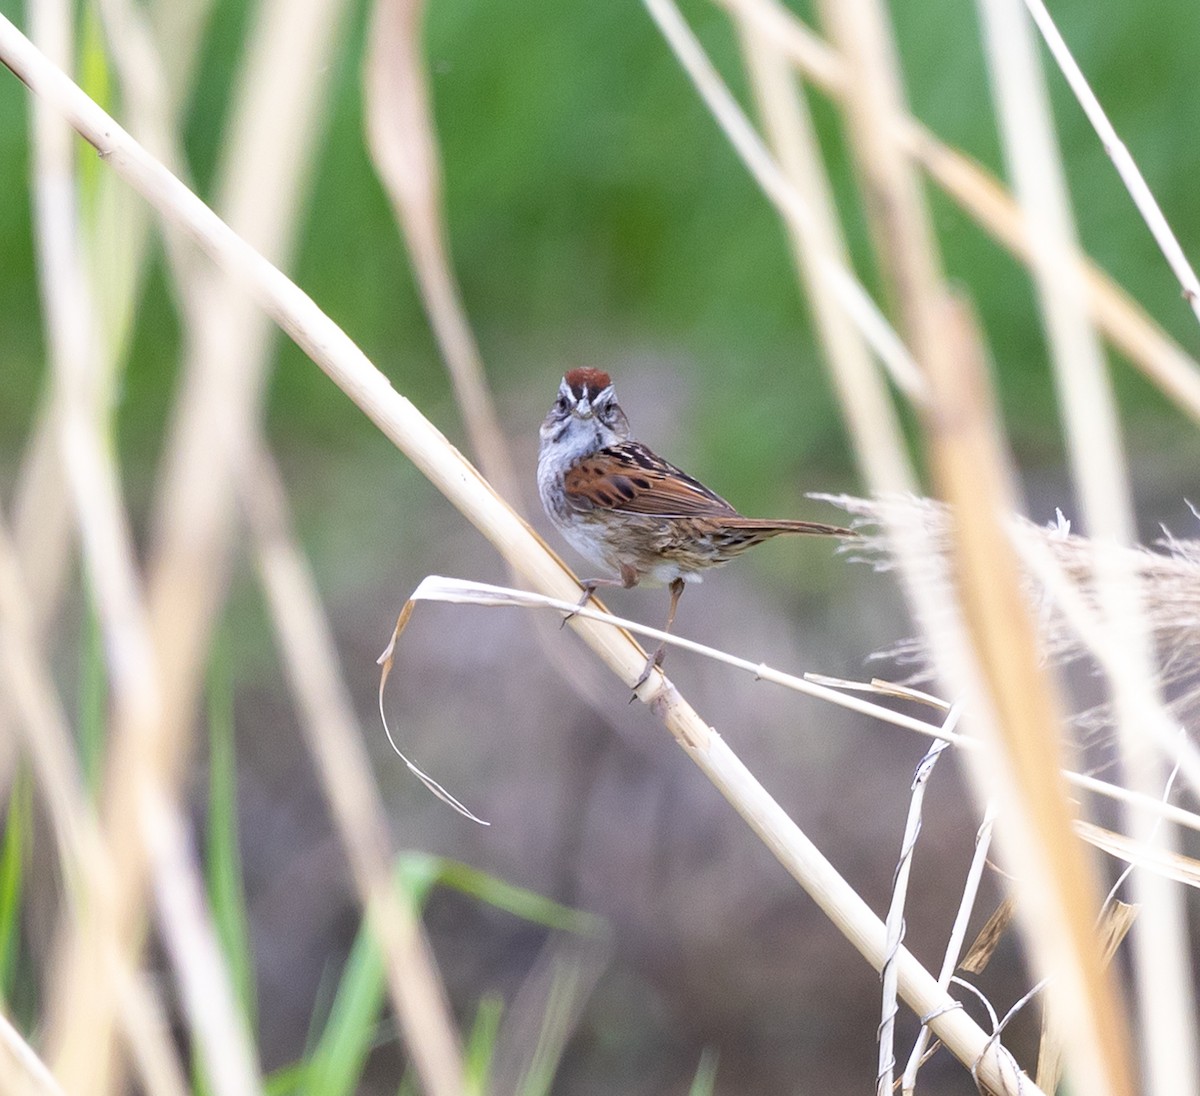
587,382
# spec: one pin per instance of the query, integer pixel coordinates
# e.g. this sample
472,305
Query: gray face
584,420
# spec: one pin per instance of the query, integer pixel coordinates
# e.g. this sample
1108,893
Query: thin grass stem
1125,164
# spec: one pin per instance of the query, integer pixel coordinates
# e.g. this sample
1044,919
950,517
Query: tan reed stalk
96,939
842,283
908,255
402,139
215,1020
335,740
24,1072
151,1045
33,706
1055,885
413,981
918,567
984,199
1115,922
890,184
871,419
95,495
86,1021
983,843
895,915
444,466
118,249
923,292
403,146
1165,995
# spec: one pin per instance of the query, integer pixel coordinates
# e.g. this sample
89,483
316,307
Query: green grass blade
335,1065
481,1044
552,1037
705,1081
17,844
526,904
286,1080
337,1061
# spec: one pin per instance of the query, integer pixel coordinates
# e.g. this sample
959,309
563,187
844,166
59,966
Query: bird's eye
562,404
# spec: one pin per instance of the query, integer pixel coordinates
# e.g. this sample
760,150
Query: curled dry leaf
386,661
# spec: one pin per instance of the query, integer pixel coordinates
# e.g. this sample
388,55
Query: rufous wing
631,479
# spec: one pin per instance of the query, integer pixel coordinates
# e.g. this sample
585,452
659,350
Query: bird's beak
583,408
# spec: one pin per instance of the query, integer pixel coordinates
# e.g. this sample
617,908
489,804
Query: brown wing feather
769,527
632,479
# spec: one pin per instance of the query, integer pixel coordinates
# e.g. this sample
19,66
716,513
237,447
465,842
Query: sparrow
628,511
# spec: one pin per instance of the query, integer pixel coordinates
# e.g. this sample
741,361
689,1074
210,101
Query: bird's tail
766,527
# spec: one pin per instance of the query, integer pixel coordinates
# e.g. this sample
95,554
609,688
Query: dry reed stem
467,592
1115,922
329,347
1056,886
42,518
984,199
966,906
866,404
938,615
25,1074
86,1024
415,986
335,741
216,1022
1131,176
845,287
871,419
936,612
891,186
92,939
402,140
82,859
1162,862
895,915
403,146
1165,995
151,1040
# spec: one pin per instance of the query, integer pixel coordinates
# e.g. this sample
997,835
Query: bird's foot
654,662
588,590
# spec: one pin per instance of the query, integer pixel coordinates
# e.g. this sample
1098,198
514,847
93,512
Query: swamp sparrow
629,511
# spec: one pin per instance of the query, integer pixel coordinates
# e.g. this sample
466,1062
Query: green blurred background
594,207
597,216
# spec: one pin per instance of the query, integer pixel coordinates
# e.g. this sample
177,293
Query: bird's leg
656,659
628,579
